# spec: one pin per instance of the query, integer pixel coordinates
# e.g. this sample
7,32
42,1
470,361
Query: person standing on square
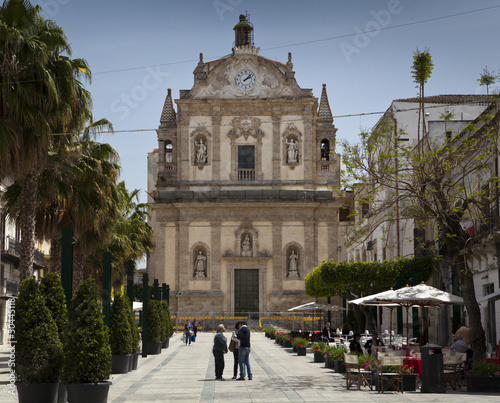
244,351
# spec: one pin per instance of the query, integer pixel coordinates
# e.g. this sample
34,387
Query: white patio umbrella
365,301
421,295
313,306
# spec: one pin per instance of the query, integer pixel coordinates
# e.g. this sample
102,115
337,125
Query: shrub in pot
318,349
154,327
136,338
38,348
300,344
87,353
163,330
53,292
120,336
169,331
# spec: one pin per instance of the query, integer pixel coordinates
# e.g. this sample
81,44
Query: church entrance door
246,291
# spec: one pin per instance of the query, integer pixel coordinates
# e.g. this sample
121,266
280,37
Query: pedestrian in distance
244,351
188,329
218,350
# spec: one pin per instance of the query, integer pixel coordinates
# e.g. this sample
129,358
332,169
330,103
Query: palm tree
132,236
40,94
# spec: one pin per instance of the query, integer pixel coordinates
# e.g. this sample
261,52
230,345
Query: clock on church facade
241,186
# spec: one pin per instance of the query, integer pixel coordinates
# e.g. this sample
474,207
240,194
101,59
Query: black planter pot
319,357
135,360
165,343
483,383
272,337
154,347
329,362
37,392
266,334
62,395
294,348
120,363
301,350
287,344
88,392
339,366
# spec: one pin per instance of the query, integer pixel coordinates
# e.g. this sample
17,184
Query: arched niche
200,261
200,146
292,146
293,261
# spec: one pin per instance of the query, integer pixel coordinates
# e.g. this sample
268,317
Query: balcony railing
246,174
12,247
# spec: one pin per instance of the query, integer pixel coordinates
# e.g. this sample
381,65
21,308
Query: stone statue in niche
292,151
246,247
201,152
200,264
292,265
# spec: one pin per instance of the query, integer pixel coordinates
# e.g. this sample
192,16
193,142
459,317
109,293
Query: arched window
325,150
168,151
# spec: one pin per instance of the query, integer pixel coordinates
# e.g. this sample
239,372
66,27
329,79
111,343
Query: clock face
245,79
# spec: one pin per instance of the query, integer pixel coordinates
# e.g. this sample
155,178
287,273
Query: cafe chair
390,380
355,373
453,371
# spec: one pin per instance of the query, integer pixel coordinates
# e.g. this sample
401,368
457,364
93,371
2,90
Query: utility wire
294,44
270,121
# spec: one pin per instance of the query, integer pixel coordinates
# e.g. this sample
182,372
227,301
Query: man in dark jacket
244,351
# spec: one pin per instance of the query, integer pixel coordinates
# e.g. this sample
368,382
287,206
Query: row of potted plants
160,328
58,350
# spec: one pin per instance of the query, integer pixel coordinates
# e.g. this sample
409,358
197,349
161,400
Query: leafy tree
487,78
41,93
451,182
354,280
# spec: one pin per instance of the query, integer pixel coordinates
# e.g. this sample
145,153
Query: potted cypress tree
154,327
163,330
136,339
120,334
53,292
38,348
87,354
169,331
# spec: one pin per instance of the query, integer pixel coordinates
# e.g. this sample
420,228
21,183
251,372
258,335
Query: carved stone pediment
271,79
246,126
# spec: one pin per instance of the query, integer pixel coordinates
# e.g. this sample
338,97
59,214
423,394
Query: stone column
216,119
183,152
215,263
308,148
184,265
276,118
277,253
310,247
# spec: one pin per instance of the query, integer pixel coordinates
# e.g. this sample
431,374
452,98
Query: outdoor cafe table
415,363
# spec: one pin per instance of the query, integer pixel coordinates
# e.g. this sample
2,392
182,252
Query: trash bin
432,369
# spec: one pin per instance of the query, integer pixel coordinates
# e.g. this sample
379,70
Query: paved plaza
186,374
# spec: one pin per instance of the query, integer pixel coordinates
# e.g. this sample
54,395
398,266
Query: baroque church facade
241,186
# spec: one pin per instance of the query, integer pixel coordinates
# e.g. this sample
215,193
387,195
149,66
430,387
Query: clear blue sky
138,49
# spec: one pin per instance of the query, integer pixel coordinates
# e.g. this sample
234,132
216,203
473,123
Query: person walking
195,328
244,351
218,350
236,351
187,332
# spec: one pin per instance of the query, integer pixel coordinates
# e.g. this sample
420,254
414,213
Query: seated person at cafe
465,332
327,332
460,346
355,345
374,341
